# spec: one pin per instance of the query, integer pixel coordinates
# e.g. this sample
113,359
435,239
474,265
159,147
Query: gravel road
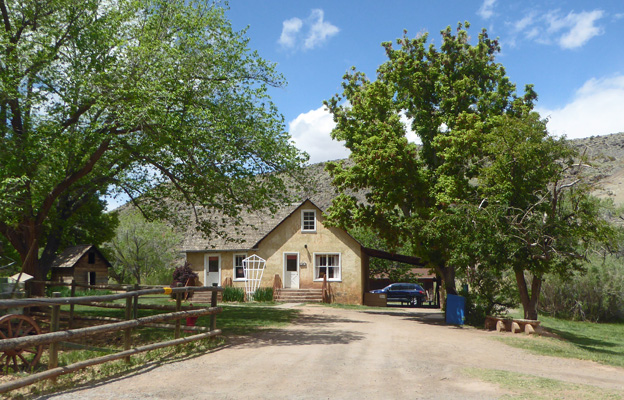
328,353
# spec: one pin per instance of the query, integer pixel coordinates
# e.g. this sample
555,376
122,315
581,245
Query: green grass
512,385
236,319
599,342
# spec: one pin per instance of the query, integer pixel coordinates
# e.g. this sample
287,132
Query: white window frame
316,266
234,266
308,230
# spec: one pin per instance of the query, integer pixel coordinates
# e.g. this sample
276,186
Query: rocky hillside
606,156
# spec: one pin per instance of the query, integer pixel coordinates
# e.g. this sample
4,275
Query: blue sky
572,51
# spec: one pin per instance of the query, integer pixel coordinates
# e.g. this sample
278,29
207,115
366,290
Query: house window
308,221
327,265
239,273
91,258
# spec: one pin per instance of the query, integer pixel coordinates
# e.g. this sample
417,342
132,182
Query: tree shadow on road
425,317
299,337
324,320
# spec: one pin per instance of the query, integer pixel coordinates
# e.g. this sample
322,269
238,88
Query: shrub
233,294
490,293
63,290
596,294
184,275
263,294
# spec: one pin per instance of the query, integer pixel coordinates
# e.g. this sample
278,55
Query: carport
429,281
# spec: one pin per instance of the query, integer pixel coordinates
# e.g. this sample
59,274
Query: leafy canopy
151,98
487,195
447,97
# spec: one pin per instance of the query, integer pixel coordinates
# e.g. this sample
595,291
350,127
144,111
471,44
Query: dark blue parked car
410,293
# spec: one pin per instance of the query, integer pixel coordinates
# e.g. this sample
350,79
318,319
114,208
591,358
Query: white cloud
487,9
577,29
316,31
320,30
595,110
311,133
290,28
524,23
569,32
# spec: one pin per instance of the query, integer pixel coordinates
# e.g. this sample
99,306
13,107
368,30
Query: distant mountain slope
606,156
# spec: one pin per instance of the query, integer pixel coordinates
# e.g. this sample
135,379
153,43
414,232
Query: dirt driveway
327,353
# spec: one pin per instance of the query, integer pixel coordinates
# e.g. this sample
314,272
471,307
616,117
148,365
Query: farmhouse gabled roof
70,256
256,226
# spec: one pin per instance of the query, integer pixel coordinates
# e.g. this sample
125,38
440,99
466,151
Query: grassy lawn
602,343
236,319
513,385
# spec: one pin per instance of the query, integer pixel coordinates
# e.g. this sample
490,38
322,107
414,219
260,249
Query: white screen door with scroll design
291,270
212,269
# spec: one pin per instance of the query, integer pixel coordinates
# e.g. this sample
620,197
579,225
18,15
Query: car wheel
412,301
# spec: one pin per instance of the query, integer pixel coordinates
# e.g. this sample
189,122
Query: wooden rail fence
132,321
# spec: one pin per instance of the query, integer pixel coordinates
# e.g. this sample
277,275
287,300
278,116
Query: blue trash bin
455,306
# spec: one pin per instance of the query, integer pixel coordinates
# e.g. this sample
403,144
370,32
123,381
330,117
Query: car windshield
404,286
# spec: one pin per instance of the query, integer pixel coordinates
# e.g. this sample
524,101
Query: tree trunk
529,301
49,252
30,266
448,276
536,288
25,240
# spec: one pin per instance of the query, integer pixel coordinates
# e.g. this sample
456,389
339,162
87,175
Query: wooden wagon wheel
25,358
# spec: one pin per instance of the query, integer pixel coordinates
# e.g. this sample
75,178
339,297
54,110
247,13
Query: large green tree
488,194
447,96
142,251
155,99
541,210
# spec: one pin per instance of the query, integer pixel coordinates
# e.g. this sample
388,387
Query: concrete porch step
205,297
300,296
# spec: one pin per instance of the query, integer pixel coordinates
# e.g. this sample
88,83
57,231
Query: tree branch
5,16
77,114
69,180
569,184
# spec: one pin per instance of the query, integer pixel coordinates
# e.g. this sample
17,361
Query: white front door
212,269
291,270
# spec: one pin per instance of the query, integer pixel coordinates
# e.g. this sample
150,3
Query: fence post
54,327
178,308
128,332
213,303
135,308
72,293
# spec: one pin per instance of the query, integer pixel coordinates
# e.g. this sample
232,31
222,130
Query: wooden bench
501,324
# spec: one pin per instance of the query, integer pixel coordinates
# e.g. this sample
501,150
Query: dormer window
308,220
